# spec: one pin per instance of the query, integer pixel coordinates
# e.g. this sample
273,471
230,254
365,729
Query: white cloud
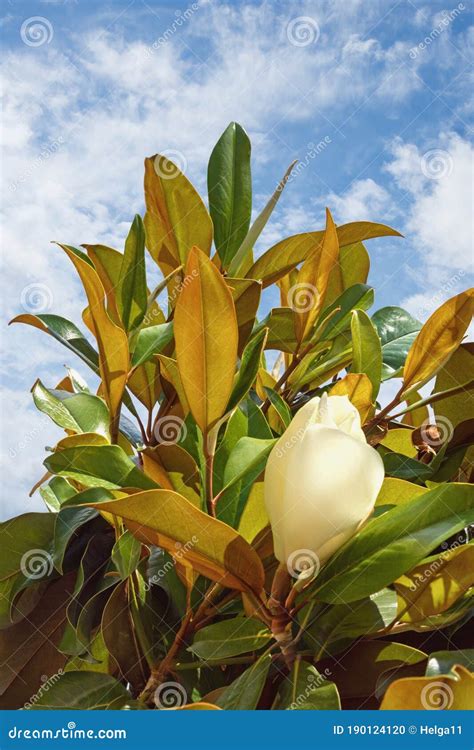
439,219
364,199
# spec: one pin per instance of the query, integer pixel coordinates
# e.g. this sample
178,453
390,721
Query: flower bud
321,483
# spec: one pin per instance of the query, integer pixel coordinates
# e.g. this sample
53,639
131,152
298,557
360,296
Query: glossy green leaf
126,554
68,522
151,341
403,467
280,406
356,297
366,349
132,293
244,693
66,333
56,492
442,662
249,366
229,186
83,691
98,466
395,542
78,412
230,638
247,460
307,690
397,330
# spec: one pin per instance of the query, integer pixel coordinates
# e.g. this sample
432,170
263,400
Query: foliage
146,583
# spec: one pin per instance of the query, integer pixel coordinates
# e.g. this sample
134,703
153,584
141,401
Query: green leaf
394,543
244,693
243,257
280,406
403,467
56,492
132,293
307,690
83,691
126,554
366,349
151,341
79,412
356,297
336,627
442,662
229,185
249,365
230,638
98,466
25,544
397,330
66,333
68,521
247,460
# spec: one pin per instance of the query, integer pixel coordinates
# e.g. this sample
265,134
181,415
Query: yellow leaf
201,706
358,388
206,336
176,218
111,340
399,440
398,492
309,292
169,371
173,468
416,417
448,692
287,253
352,268
436,584
438,339
164,518
254,516
246,295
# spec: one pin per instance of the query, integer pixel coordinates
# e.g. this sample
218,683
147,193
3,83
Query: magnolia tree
233,520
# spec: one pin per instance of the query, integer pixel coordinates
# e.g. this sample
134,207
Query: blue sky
92,88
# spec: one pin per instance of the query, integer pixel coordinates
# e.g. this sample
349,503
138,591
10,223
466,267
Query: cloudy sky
373,97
